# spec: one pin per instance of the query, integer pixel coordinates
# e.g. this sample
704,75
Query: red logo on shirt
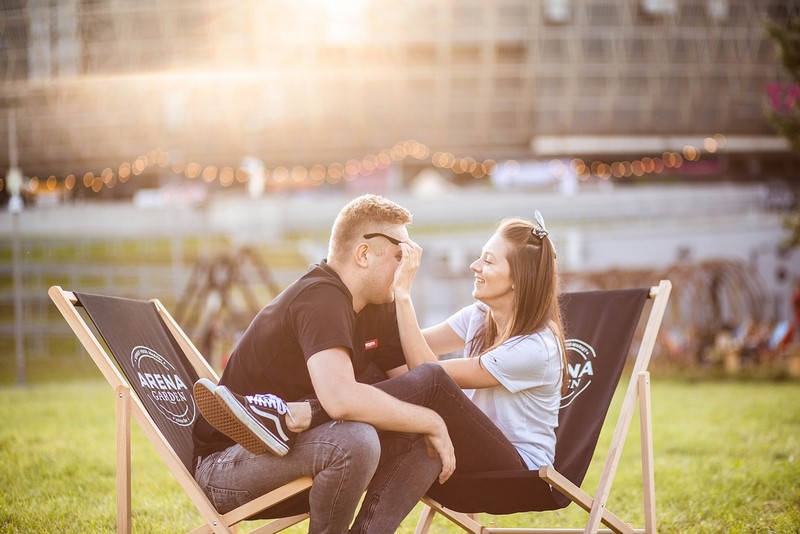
371,344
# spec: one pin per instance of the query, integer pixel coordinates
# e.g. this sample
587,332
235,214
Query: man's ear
360,254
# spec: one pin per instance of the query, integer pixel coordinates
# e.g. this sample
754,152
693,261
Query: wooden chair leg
123,422
461,519
425,520
278,525
648,478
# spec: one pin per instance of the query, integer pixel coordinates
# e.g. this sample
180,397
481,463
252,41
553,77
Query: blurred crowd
749,345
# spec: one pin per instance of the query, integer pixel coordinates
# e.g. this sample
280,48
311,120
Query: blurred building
173,101
94,83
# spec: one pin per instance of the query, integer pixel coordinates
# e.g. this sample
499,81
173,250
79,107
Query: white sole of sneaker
242,428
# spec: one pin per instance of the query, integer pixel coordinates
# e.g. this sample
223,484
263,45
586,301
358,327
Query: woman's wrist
402,297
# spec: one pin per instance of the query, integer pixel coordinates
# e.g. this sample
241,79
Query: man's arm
343,398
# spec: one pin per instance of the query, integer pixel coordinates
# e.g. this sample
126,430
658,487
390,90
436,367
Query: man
334,324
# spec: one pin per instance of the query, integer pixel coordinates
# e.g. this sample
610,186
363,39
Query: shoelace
268,400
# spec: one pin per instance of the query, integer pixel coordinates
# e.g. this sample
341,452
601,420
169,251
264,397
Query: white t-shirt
525,406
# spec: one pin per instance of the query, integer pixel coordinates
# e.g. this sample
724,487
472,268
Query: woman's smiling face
492,272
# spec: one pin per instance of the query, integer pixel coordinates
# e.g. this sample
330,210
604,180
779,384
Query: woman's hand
415,348
407,270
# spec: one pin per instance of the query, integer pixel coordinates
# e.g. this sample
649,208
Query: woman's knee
435,374
431,371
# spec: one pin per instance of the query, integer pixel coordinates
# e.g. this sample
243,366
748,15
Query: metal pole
19,334
14,179
176,253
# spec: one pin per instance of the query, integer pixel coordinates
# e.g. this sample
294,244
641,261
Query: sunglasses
392,240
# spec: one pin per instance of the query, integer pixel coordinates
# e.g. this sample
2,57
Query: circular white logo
162,385
580,358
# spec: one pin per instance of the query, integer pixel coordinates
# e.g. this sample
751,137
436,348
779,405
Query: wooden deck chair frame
638,392
128,404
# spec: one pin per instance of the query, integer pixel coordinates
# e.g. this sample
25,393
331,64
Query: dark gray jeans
479,444
345,458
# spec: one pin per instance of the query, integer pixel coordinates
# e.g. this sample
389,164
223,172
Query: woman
514,361
513,353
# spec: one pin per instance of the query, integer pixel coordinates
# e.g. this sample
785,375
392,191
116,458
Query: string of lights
352,169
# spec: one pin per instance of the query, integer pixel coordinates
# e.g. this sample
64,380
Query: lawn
727,460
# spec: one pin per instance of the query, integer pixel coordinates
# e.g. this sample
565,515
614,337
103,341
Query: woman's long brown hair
534,275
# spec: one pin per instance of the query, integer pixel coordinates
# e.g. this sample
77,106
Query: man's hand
439,444
342,397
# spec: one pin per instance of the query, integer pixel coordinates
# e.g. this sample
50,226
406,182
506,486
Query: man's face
384,256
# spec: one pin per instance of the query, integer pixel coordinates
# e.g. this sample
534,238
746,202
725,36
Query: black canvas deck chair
599,328
152,366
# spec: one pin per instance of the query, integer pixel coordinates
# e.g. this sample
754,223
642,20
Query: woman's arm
442,339
415,347
420,347
468,373
424,346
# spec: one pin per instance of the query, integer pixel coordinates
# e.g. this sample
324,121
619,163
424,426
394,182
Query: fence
135,268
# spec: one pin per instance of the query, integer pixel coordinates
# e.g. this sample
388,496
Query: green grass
727,459
38,370
141,251
111,251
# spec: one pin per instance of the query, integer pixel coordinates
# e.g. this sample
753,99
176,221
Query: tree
785,111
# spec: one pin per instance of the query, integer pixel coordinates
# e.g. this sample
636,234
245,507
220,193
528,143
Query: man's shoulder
316,279
321,284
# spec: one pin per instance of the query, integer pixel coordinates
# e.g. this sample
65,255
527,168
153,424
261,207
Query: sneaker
254,421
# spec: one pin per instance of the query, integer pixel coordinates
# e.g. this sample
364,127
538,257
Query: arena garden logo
163,386
580,370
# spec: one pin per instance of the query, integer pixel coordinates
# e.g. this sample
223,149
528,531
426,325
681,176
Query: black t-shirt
313,314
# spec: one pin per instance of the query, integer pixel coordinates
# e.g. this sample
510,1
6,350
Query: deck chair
152,366
600,326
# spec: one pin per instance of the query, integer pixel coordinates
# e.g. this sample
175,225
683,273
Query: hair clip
542,232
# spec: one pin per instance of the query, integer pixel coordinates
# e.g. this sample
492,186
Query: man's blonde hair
364,214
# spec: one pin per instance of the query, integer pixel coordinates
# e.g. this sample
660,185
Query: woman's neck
501,318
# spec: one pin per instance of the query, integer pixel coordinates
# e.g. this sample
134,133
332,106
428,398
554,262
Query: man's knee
358,441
